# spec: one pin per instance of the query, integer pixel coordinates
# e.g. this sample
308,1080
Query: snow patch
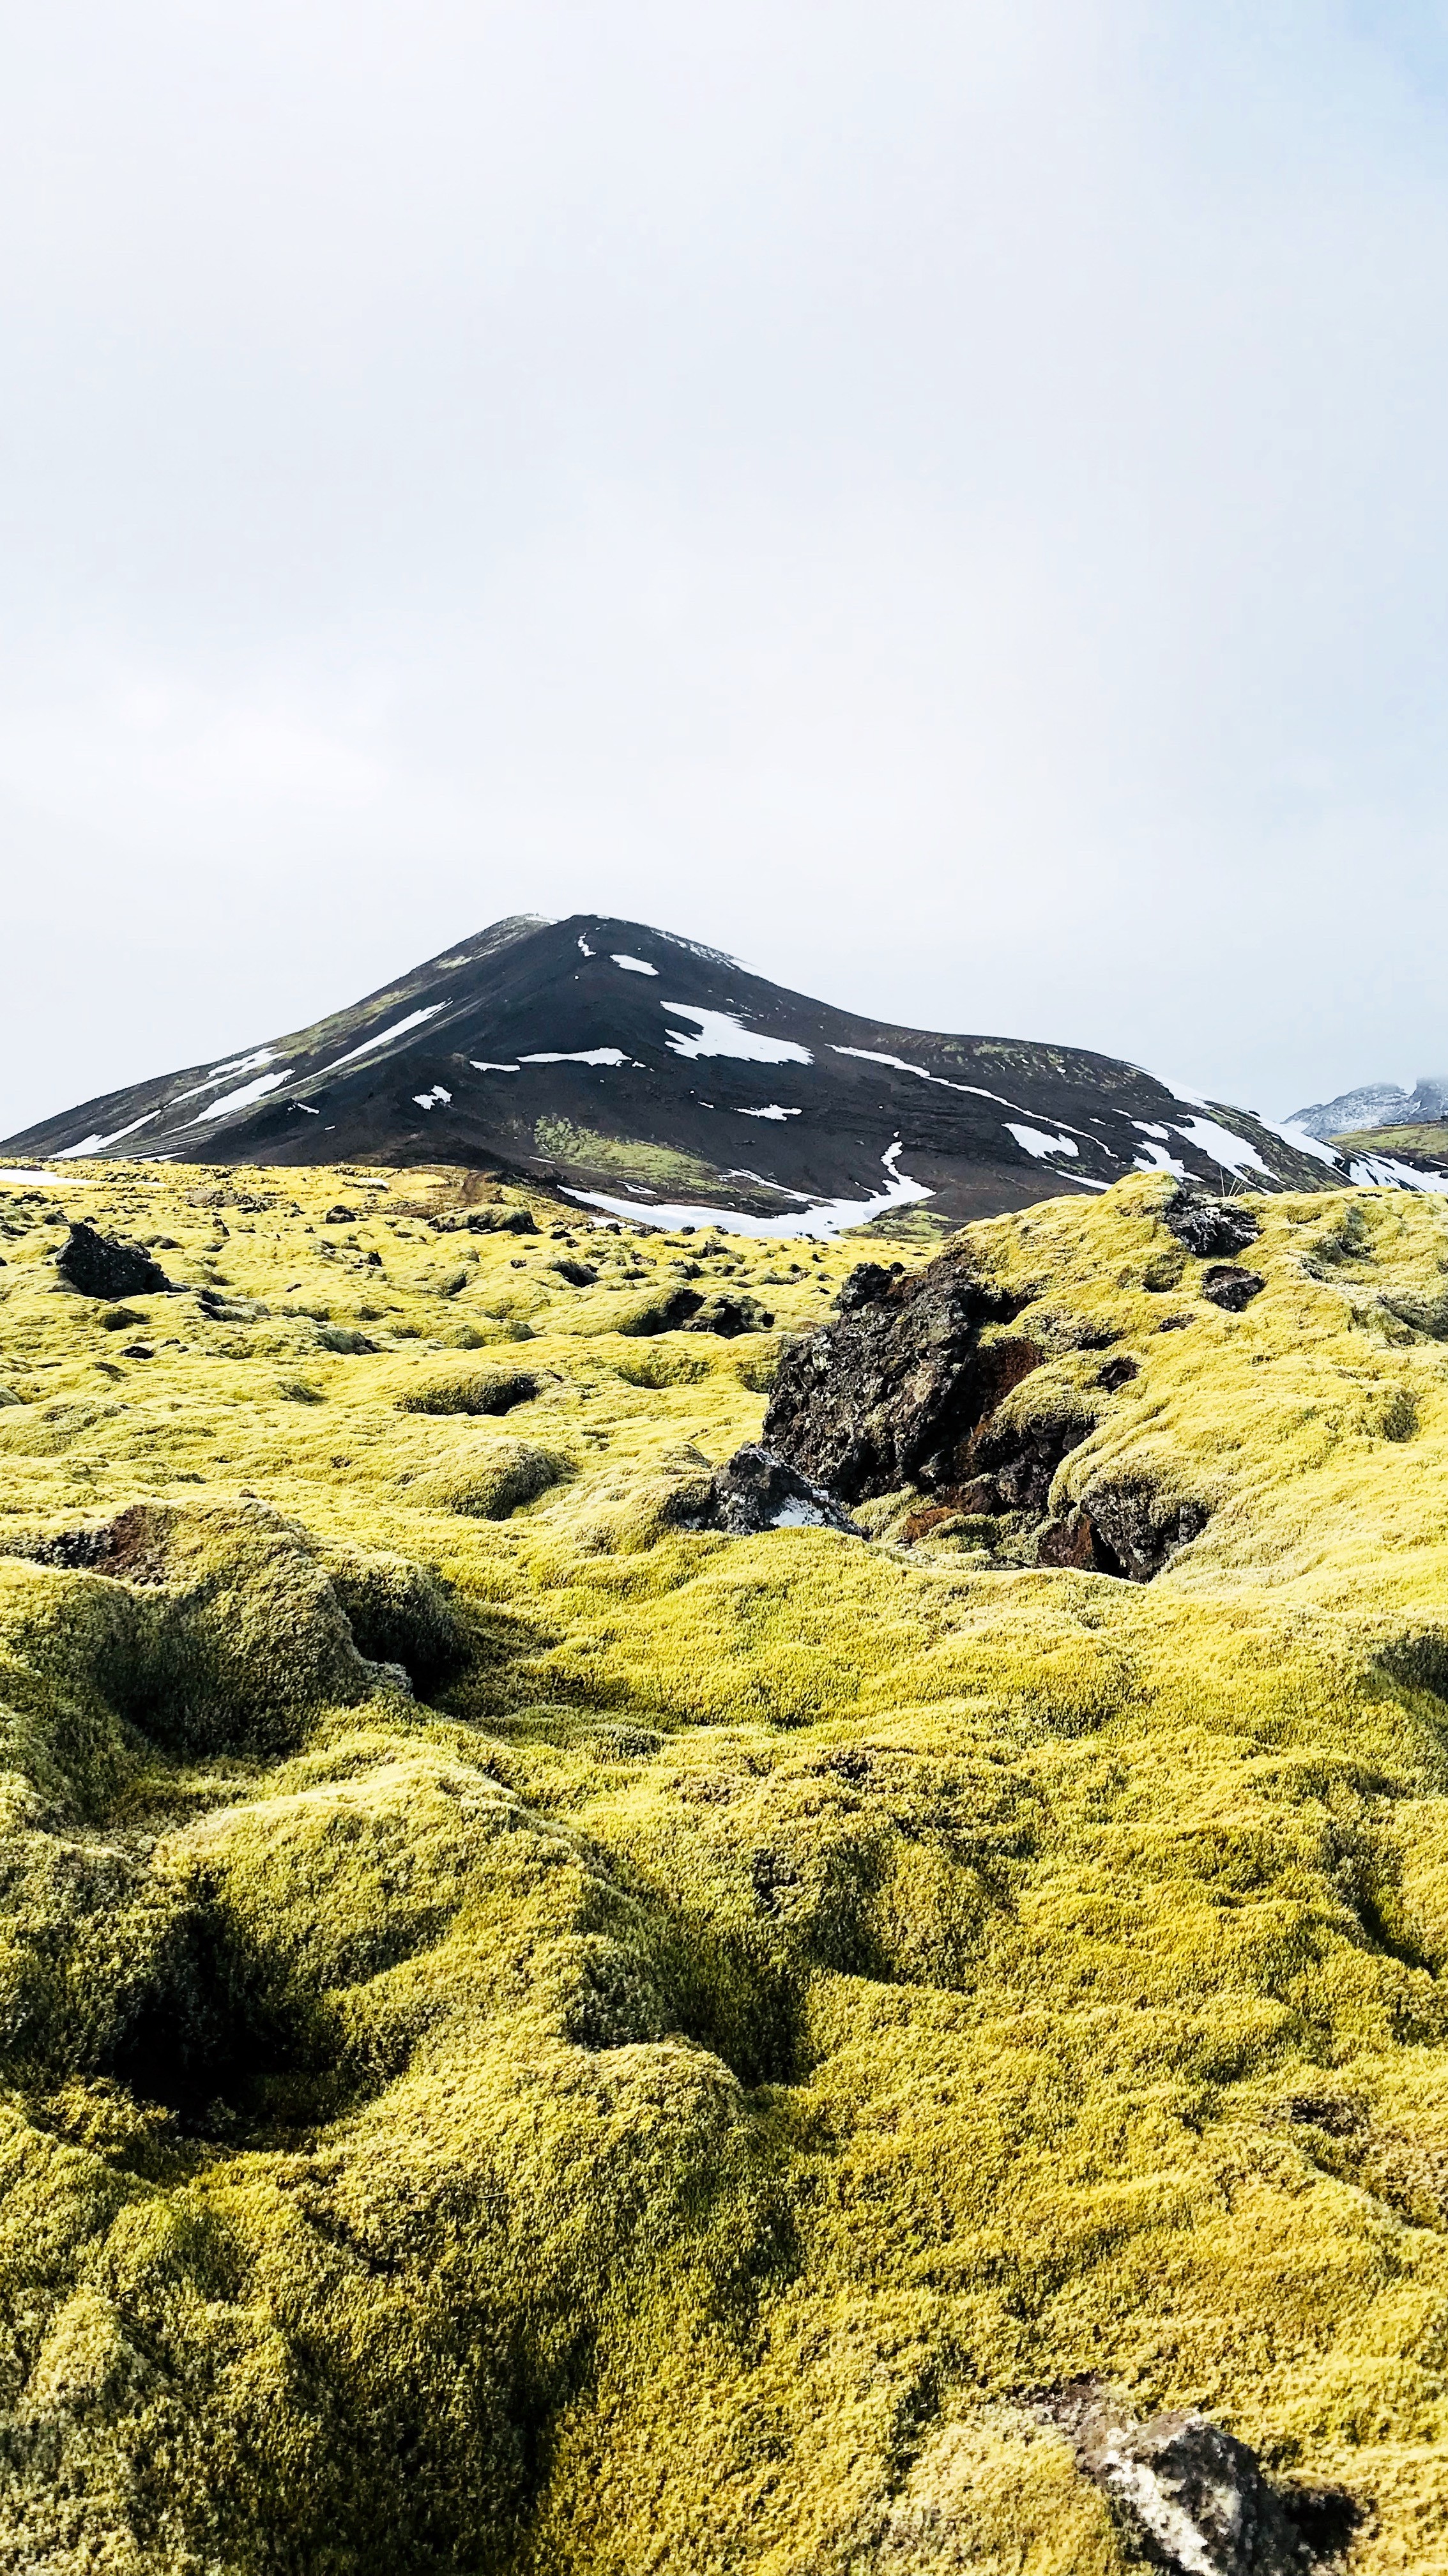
30,1180
223,1072
740,1172
1035,1143
1384,1172
98,1144
800,1515
825,1218
1155,1158
583,944
587,1055
635,965
1232,1152
1145,1127
384,1037
773,1111
1193,1099
1302,1143
897,1064
243,1098
307,1106
721,1033
433,1099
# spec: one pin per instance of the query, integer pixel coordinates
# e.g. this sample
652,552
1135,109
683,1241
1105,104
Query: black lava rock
1118,1373
756,1490
501,1220
894,1389
100,1266
1210,1227
729,1315
1227,1285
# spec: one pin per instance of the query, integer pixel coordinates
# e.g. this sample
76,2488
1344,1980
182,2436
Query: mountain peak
656,1077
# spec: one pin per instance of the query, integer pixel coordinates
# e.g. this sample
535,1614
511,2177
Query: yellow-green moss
657,2097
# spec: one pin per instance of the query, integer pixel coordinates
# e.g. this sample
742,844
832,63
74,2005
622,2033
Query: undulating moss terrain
1426,1144
543,2041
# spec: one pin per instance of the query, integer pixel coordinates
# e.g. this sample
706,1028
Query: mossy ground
1429,1142
656,2097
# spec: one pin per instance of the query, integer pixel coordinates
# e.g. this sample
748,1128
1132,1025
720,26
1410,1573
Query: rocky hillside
677,1903
649,1074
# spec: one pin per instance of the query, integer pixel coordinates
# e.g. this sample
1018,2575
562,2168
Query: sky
944,500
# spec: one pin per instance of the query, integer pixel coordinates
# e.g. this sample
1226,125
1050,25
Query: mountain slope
653,1074
1372,1105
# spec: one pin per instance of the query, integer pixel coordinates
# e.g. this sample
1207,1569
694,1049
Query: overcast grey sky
944,499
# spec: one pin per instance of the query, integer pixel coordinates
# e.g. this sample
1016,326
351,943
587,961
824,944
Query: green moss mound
546,2041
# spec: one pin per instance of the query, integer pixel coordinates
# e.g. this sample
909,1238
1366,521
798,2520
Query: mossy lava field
549,2034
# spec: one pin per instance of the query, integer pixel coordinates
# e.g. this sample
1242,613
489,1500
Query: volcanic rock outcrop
1195,2500
909,1387
101,1267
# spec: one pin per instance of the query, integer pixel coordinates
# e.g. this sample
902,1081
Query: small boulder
1193,2497
1118,1373
1210,1227
756,1490
501,1220
660,1310
101,1266
729,1314
1227,1284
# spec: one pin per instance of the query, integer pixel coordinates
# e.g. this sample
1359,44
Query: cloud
945,503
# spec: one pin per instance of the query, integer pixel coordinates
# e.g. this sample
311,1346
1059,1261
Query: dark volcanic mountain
653,1075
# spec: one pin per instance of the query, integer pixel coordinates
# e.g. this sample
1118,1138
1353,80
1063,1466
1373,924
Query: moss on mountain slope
659,2096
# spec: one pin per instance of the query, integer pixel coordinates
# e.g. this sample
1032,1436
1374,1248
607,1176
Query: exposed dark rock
131,1547
500,1220
1118,1373
730,1314
892,1391
756,1490
666,1313
939,1518
100,1266
1134,1533
345,1339
1073,1542
340,1216
1210,1227
1192,2498
1340,2115
1227,1285
483,1390
577,1273
1022,1460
